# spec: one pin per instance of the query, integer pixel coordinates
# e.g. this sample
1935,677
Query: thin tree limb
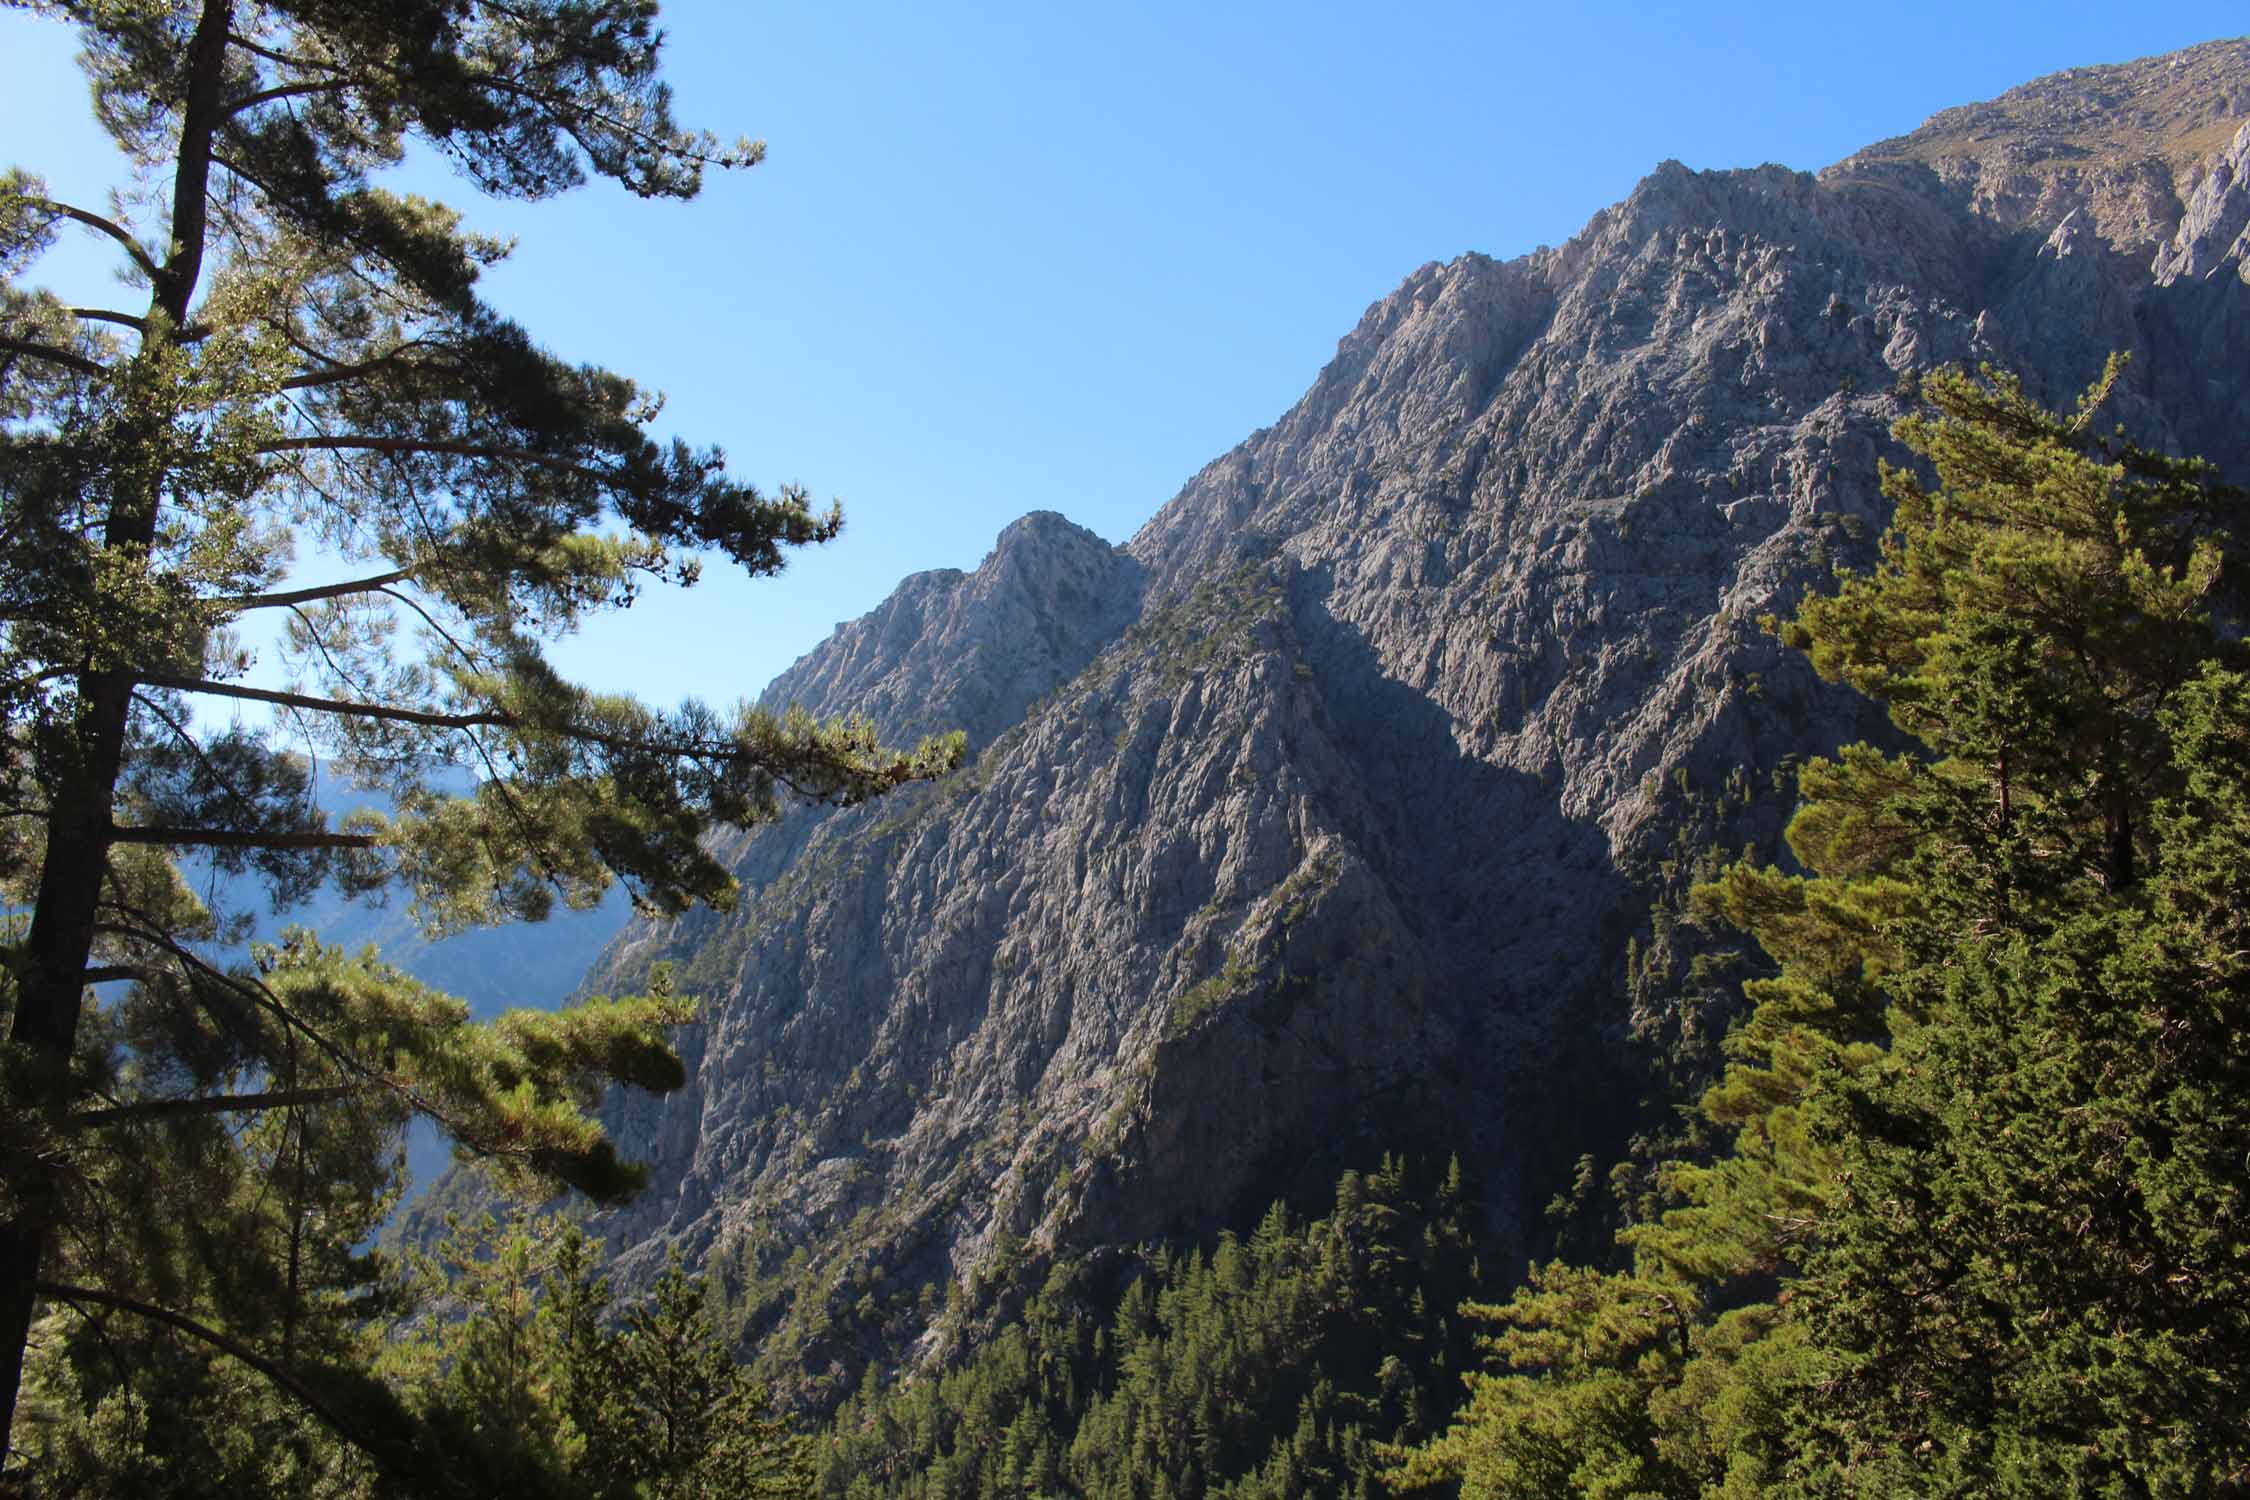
330,705
339,372
287,91
180,733
217,1104
110,227
312,634
467,656
310,65
372,584
106,315
442,446
33,349
229,838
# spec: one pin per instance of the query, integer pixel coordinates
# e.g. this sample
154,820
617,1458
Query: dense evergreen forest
1269,1367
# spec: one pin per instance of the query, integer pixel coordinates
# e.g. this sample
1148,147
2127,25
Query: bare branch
110,227
216,1104
374,584
330,705
229,838
49,353
193,333
105,315
287,91
445,446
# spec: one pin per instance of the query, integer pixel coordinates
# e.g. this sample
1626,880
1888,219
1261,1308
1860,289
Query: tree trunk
51,987
53,977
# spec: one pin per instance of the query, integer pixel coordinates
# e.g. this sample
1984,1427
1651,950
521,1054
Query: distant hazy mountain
493,969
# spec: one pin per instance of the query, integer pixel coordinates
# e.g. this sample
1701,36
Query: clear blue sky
1060,256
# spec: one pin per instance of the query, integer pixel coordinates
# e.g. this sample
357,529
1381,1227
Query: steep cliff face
1313,821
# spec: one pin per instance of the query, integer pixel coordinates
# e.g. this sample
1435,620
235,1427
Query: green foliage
644,1402
1207,996
1980,1230
1270,1367
314,368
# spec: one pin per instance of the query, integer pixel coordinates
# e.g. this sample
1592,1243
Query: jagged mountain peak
953,650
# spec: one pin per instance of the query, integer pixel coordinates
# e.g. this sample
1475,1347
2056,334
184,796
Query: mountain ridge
1313,821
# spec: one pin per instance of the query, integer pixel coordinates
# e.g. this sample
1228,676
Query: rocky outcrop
1312,823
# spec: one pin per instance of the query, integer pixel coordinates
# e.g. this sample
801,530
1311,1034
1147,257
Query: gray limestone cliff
1313,822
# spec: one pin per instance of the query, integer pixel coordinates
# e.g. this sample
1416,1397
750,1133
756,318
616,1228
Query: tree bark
53,977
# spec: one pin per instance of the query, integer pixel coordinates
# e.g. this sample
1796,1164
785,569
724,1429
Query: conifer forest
1645,897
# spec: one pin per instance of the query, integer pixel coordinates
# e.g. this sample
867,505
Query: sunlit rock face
1312,822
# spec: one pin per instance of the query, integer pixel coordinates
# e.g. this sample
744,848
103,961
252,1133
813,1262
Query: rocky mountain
1314,821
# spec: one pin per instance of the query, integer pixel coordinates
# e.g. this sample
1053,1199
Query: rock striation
1313,822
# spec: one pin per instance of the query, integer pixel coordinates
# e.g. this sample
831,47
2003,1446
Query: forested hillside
1271,1365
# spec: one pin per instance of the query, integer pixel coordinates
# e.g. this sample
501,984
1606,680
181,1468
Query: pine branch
256,993
228,838
217,1104
49,353
341,706
373,584
110,227
507,1147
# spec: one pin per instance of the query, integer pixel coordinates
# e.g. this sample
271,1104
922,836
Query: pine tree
313,366
1980,1229
2032,1278
589,1400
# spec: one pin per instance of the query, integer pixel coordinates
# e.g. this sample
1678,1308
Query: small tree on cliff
313,364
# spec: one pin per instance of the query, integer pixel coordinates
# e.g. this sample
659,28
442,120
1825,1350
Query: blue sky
1060,256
